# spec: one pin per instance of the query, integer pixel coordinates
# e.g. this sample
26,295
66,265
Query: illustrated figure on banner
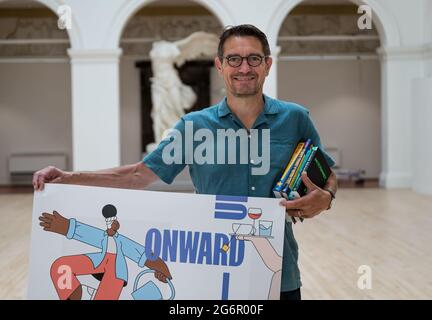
108,265
170,96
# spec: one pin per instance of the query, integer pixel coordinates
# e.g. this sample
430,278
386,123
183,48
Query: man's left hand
313,203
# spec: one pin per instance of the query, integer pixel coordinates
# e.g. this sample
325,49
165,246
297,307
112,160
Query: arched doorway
323,51
159,20
35,91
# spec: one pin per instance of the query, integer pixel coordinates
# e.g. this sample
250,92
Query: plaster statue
171,97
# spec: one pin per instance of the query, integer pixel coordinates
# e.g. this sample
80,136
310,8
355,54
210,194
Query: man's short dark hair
243,30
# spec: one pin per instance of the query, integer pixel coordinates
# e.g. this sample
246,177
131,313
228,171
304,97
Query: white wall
428,36
427,21
428,62
422,130
35,110
344,101
130,112
410,18
43,108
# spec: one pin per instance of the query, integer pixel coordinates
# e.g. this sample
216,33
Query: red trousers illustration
64,272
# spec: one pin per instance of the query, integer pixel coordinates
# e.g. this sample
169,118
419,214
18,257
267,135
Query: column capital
94,55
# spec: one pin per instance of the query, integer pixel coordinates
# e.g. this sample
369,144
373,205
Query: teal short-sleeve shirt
288,123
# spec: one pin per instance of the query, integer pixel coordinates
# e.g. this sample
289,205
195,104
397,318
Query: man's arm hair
133,176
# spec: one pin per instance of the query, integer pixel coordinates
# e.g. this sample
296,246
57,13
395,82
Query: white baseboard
395,180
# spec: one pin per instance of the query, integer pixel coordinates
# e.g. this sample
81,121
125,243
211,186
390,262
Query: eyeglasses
253,60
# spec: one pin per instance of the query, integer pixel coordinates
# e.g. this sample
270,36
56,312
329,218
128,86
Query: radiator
23,165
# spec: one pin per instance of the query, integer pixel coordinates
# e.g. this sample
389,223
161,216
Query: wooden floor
388,230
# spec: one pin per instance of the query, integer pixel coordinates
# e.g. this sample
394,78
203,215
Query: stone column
270,84
422,135
95,108
399,67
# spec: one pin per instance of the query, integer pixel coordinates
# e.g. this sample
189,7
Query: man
244,62
108,265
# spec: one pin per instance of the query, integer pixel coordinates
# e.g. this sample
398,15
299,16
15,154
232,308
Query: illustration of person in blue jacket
108,265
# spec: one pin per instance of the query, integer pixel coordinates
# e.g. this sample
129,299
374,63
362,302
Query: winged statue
170,96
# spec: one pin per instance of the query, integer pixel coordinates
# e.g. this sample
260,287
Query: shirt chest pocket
280,153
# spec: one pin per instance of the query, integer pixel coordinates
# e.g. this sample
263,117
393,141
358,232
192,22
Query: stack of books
305,158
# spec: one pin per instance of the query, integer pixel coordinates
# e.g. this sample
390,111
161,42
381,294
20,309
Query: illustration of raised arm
85,233
71,229
268,254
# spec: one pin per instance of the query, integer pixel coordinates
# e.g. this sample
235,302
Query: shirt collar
270,107
223,108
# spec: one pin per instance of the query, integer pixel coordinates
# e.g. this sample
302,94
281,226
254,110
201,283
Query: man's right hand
48,175
162,272
54,222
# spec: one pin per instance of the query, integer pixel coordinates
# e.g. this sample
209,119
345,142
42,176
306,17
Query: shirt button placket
251,162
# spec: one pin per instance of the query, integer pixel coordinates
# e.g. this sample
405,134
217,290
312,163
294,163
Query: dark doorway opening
195,74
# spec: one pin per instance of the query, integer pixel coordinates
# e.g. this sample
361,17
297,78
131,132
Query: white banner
215,247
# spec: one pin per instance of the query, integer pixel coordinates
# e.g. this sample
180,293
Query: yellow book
297,151
299,162
296,165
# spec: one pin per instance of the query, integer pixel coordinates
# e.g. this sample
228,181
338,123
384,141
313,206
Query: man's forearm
133,176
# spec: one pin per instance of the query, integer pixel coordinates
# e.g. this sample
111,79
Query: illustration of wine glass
254,214
238,228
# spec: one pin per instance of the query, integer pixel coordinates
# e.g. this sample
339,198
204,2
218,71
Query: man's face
244,80
112,225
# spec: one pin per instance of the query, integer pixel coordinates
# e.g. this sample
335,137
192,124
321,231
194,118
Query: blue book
302,166
289,168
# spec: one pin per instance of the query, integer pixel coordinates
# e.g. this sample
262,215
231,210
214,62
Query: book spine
280,184
297,163
285,192
302,165
295,175
322,166
293,195
276,193
305,168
